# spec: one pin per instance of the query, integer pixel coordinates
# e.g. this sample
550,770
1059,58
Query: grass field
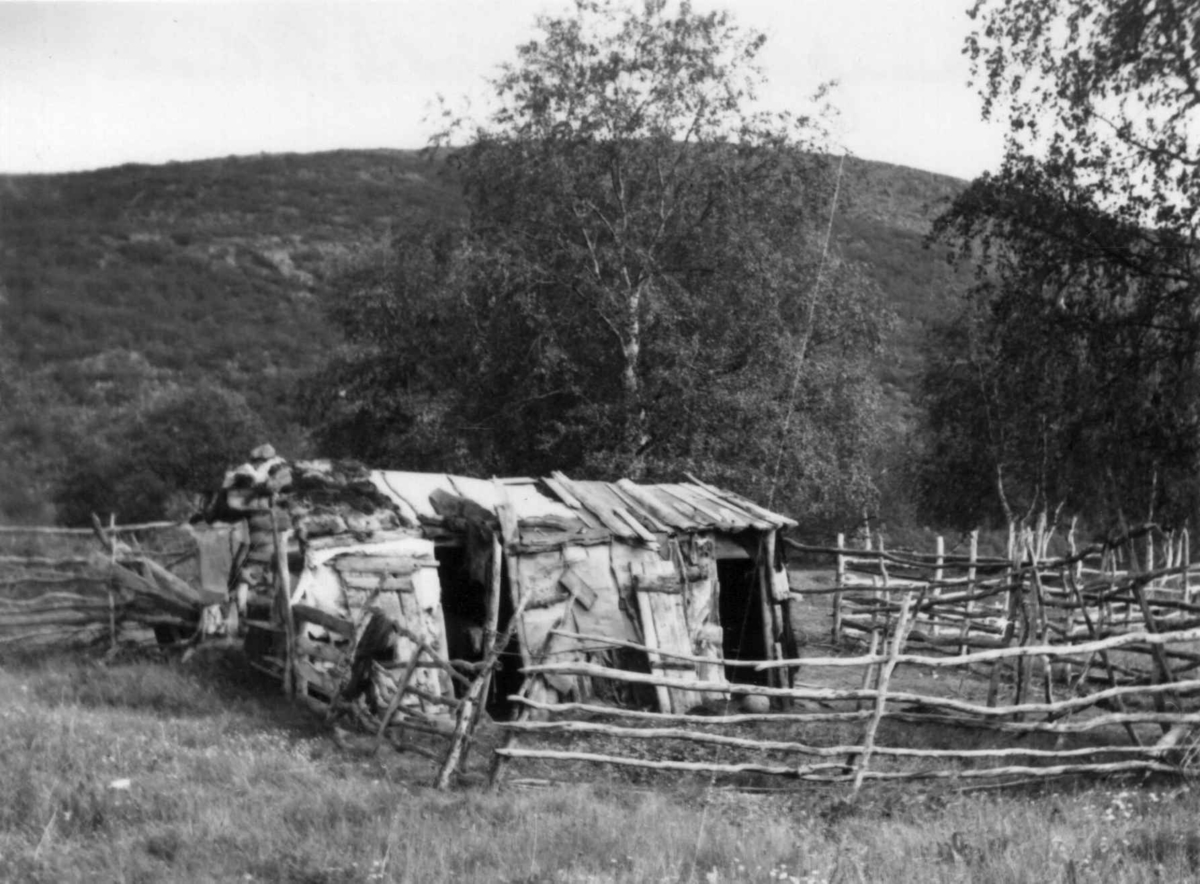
151,769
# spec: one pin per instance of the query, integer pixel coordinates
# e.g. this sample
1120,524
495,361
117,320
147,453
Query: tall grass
157,771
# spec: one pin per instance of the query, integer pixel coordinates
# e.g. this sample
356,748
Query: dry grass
159,771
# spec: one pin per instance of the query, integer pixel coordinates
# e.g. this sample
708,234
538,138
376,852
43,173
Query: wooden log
968,612
685,718
885,675
1115,642
49,600
1010,620
436,699
1048,772
824,772
1108,667
1163,666
283,591
694,766
165,600
603,642
467,716
332,622
401,687
363,563
835,751
83,532
491,638
831,694
1043,631
839,581
57,617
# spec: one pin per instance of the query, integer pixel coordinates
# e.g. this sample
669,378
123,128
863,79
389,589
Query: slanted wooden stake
871,672
1185,563
1094,633
885,676
466,717
1164,673
283,592
1015,588
401,687
490,640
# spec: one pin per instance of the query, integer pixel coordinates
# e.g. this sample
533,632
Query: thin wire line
837,186
803,349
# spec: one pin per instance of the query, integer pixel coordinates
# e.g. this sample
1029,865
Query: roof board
670,506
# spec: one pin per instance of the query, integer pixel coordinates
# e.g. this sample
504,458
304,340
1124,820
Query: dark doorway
464,608
741,619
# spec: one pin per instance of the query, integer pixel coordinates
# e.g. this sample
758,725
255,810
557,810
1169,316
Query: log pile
304,501
375,655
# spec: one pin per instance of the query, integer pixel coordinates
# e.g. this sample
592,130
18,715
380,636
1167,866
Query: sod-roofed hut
689,570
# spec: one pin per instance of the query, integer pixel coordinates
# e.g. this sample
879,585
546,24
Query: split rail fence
1088,658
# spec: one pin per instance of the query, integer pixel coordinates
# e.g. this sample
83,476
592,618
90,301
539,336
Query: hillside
119,283
882,226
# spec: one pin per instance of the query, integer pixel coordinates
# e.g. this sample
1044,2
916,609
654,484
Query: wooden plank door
659,591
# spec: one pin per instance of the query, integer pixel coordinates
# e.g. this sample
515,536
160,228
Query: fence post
839,582
1011,611
969,607
283,590
1185,564
938,575
872,668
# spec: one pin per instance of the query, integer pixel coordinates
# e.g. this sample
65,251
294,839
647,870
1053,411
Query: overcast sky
87,85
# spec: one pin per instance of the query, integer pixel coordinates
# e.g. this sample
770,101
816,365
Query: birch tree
640,285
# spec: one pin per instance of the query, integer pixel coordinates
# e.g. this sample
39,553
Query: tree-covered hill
205,268
882,225
124,291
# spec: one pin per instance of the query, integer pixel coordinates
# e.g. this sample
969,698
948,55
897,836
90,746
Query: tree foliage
160,460
639,286
1072,377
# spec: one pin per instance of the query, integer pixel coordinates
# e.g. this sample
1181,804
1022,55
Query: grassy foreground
162,771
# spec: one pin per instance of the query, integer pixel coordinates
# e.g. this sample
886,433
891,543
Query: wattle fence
66,587
958,667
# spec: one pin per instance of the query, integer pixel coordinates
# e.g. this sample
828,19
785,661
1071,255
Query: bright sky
88,85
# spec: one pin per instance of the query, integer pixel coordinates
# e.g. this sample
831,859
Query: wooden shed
587,568
685,568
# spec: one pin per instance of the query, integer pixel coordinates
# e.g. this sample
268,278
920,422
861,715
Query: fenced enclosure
972,667
939,664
